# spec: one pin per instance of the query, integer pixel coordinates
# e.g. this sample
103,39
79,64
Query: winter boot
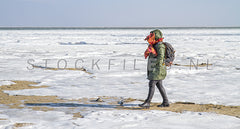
163,105
147,102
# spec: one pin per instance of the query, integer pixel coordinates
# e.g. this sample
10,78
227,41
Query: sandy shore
44,103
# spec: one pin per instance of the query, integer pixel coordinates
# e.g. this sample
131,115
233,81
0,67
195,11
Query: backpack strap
165,50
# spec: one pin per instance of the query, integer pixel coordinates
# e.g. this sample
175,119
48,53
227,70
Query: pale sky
119,13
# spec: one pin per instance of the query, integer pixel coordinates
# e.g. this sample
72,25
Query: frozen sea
115,59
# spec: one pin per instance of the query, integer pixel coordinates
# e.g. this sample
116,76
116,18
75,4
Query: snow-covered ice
119,119
121,71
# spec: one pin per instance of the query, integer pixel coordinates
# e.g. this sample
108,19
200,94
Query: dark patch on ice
80,43
129,105
70,43
232,41
129,43
71,105
97,100
50,68
185,103
85,43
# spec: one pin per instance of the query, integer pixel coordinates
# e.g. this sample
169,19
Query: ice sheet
220,85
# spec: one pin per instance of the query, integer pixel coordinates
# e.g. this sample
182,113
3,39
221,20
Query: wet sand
188,106
17,101
75,69
19,125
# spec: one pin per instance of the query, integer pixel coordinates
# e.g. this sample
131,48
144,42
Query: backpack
169,54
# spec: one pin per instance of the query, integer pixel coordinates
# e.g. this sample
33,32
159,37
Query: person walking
156,68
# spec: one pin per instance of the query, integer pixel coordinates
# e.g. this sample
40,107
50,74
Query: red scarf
151,40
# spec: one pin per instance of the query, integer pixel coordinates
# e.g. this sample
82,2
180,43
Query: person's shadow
80,105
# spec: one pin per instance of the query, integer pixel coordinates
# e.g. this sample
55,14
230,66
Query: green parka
156,68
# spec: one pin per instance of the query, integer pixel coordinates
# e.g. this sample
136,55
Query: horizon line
113,27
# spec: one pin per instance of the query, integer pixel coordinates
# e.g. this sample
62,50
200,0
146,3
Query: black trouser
161,89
